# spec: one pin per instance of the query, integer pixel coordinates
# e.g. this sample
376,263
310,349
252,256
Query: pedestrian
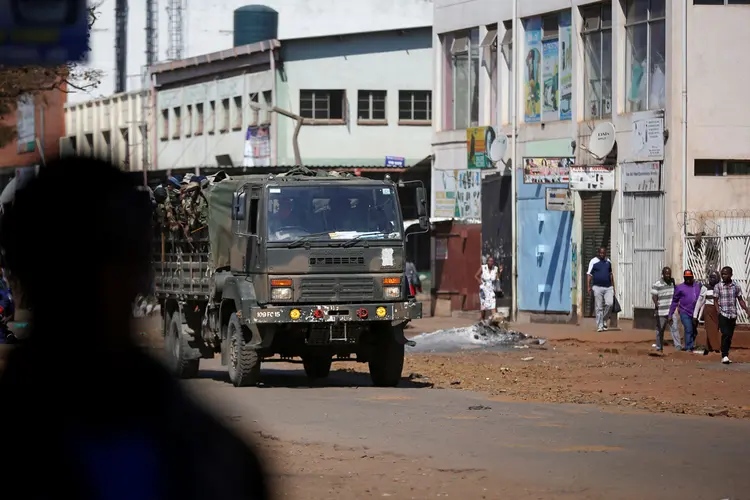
601,284
706,308
662,292
685,297
488,277
727,293
123,427
412,277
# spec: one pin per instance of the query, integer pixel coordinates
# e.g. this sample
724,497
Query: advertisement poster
566,67
592,178
547,170
479,141
532,70
257,147
457,193
550,62
25,124
558,199
648,136
643,177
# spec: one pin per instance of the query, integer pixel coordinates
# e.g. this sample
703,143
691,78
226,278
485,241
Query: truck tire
177,348
244,362
317,366
387,358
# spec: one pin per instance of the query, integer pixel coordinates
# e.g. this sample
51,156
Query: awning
433,220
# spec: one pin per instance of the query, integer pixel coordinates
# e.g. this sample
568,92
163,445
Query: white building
208,27
584,63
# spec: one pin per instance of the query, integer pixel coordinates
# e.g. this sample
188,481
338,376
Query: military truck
298,265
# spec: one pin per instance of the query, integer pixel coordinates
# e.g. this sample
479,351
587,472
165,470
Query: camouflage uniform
195,207
171,210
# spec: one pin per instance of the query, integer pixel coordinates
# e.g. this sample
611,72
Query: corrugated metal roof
243,50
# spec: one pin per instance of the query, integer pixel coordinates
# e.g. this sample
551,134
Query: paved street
527,449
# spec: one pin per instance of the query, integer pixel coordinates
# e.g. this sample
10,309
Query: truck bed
182,268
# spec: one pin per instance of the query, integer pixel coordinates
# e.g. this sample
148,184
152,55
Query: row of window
716,168
547,57
414,108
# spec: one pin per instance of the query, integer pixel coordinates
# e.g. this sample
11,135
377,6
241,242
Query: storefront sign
395,162
559,199
642,177
476,147
648,136
592,178
547,170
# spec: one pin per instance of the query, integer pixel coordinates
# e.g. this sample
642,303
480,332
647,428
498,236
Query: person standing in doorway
727,293
686,296
601,283
662,293
706,308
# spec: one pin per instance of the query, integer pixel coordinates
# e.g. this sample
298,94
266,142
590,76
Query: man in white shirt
601,283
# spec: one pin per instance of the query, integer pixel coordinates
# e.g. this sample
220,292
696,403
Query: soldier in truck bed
194,207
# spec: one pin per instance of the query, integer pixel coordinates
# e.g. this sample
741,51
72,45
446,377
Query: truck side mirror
421,202
238,206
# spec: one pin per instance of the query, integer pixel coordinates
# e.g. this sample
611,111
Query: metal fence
717,239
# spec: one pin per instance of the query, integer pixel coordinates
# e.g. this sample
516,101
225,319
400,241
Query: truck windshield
332,213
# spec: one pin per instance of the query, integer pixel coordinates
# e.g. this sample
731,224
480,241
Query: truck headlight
392,292
281,293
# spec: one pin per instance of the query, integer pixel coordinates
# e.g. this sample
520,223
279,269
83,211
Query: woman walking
705,307
488,278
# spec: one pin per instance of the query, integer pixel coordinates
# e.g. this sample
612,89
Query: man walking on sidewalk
727,294
686,295
601,283
662,293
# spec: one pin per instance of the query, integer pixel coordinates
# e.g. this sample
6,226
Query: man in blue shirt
601,283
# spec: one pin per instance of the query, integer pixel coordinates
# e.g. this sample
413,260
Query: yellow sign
476,148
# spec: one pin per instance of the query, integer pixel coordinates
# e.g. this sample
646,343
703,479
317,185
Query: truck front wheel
387,357
244,362
177,349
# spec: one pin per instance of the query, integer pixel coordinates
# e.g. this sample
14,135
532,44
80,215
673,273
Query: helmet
160,194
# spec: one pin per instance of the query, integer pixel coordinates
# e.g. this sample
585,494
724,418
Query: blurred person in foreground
93,416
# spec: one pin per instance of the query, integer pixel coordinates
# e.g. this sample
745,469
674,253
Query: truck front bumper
335,313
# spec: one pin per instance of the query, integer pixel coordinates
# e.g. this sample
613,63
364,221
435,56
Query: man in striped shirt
662,293
727,294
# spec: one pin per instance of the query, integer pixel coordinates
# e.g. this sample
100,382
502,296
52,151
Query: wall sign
558,199
648,136
547,170
592,178
641,177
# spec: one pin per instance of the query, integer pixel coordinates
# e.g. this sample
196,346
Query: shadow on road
296,379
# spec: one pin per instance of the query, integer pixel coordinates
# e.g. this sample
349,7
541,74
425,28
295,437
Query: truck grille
337,289
337,261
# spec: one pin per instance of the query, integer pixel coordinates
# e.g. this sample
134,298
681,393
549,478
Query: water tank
255,23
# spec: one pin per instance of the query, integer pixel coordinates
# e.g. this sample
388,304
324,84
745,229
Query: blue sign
395,162
43,32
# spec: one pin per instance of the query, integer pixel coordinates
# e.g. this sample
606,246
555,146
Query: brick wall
54,128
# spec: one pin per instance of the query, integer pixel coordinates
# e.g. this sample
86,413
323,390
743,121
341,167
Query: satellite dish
602,140
498,148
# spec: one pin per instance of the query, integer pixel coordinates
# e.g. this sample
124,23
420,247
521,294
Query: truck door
253,255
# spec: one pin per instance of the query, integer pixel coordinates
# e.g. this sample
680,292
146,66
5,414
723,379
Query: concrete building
583,64
112,128
364,97
207,27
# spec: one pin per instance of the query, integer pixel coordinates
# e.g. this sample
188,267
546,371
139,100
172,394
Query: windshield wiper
358,238
302,240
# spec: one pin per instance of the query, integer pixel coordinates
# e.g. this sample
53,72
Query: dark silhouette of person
87,413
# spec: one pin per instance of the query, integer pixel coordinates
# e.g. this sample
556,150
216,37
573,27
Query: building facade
39,123
666,192
205,27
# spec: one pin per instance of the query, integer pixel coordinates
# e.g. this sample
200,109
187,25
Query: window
237,109
489,55
199,119
371,106
646,64
721,2
597,42
415,107
254,108
189,120
177,122
324,105
268,99
712,168
164,125
506,46
465,70
224,116
211,129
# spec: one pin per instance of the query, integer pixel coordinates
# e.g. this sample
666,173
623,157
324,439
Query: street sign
43,32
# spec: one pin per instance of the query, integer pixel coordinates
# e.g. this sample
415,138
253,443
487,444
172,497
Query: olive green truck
297,265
